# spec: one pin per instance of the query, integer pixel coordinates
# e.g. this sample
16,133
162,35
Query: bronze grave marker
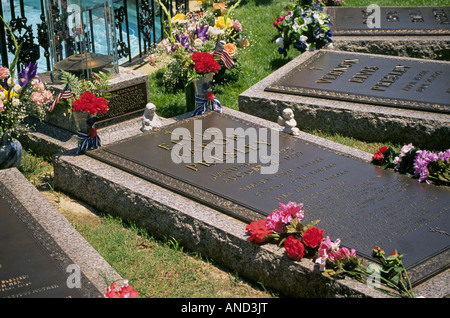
363,78
363,205
375,20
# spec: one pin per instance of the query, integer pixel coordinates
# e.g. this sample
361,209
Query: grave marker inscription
362,204
378,80
374,20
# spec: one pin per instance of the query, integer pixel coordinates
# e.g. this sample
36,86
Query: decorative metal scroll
146,22
120,16
24,36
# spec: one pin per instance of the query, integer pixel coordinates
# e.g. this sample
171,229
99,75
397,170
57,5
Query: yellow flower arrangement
220,22
179,17
5,96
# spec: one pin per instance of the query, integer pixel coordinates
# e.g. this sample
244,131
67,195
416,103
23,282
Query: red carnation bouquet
204,62
90,103
200,64
85,110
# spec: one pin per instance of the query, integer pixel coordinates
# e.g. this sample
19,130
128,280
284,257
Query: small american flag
220,51
64,94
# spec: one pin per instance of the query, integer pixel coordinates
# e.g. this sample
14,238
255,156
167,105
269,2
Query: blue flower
282,51
328,36
300,45
318,33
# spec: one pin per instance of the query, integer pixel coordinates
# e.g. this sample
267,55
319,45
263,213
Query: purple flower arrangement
426,166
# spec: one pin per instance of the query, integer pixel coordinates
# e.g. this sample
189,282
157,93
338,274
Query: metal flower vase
203,85
86,131
203,100
196,91
11,152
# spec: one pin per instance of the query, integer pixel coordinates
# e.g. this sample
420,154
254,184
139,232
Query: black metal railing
147,15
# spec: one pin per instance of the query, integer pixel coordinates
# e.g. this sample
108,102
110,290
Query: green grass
36,168
161,268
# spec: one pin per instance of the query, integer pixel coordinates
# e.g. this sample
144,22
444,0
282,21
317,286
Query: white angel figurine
150,119
288,122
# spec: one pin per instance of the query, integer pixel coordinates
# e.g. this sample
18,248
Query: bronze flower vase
11,152
86,131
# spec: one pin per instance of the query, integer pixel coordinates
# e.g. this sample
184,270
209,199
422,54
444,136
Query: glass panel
82,37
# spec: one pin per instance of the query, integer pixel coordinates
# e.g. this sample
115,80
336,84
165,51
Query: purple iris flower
27,74
202,32
184,41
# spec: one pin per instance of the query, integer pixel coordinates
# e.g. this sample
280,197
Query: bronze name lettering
440,16
390,78
364,74
416,16
337,71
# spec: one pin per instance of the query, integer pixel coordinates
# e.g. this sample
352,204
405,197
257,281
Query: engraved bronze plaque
363,78
389,20
362,204
125,101
31,263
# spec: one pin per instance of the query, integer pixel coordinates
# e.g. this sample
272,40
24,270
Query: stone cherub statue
150,119
288,122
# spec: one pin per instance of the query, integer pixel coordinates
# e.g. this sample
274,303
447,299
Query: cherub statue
150,119
288,122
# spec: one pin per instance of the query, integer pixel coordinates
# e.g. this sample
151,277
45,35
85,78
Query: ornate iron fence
146,16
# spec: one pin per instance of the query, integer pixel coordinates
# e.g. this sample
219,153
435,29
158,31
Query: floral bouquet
85,110
304,26
121,290
284,227
86,99
20,95
427,166
200,64
90,104
197,32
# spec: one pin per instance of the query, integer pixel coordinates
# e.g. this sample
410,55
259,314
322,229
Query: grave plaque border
420,270
334,13
283,85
